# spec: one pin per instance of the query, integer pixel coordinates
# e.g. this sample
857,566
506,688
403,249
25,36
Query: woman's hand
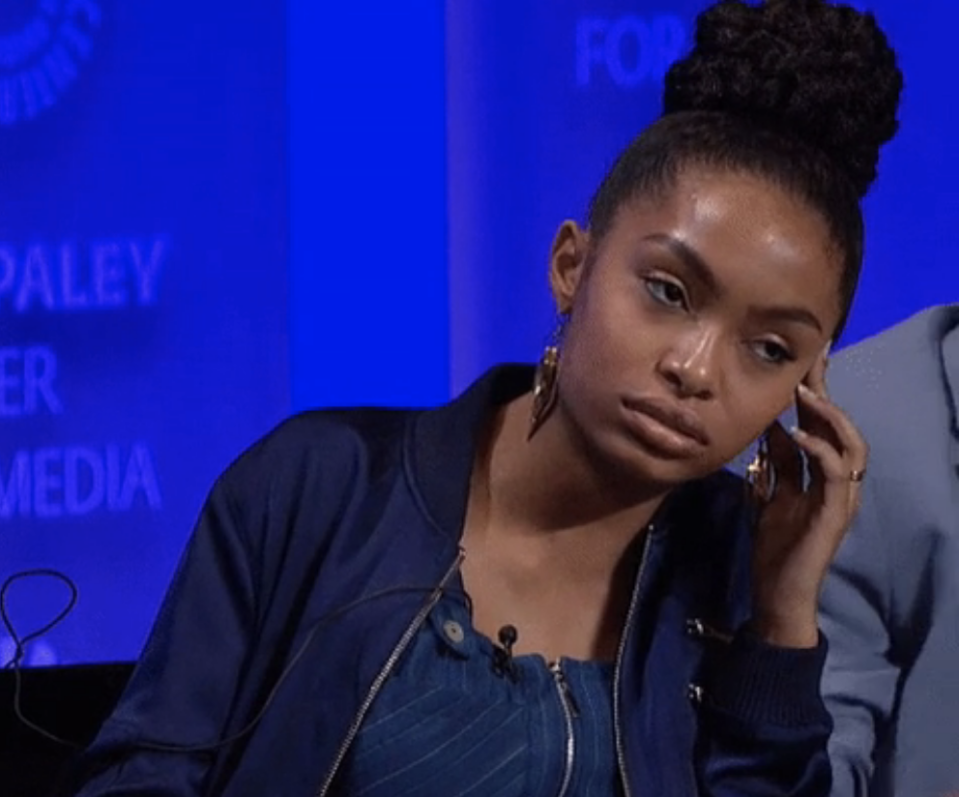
799,530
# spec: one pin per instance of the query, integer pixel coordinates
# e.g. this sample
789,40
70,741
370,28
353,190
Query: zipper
570,710
618,671
385,671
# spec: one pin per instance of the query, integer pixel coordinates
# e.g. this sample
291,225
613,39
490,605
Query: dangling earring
759,474
545,381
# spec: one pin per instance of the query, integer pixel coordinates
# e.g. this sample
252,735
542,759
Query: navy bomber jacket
321,551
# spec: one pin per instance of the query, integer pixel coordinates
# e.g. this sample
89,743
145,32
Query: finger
786,459
812,418
855,501
855,495
830,488
832,424
816,378
830,476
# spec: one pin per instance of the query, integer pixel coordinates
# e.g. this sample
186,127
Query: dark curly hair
802,92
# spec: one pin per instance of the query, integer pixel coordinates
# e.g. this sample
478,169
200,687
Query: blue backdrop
143,307
544,95
158,156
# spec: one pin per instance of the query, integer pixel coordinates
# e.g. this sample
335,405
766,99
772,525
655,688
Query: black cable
326,618
20,645
19,652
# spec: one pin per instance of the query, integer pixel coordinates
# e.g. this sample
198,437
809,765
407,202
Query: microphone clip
503,663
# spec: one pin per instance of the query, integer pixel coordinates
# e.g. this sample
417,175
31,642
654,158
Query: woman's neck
550,483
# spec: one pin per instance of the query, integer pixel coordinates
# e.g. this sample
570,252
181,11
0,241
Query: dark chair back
69,702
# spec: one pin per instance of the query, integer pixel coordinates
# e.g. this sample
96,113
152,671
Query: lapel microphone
503,663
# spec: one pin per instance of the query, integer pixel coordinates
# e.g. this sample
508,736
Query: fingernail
807,392
796,432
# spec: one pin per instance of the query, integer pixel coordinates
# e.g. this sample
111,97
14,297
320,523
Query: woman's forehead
753,237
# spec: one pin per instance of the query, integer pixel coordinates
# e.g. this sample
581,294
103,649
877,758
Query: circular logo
43,44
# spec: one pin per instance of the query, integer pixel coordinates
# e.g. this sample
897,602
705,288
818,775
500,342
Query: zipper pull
564,690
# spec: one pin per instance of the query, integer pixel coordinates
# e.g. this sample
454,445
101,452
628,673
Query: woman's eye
772,352
666,292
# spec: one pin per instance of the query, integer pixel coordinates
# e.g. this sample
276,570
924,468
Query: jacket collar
947,331
442,442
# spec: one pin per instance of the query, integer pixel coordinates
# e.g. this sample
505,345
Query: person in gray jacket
890,606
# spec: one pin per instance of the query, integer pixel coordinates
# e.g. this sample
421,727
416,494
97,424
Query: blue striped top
447,725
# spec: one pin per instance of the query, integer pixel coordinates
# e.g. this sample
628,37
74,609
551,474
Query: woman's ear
567,264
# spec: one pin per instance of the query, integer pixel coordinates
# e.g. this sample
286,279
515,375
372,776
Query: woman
551,586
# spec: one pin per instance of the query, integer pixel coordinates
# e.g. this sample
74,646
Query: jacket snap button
695,693
454,631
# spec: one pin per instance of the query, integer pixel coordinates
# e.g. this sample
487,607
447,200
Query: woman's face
692,322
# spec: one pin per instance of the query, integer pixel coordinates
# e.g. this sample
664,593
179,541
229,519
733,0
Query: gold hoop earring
544,388
759,473
545,381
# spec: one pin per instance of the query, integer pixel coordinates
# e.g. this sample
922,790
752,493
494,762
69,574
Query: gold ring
857,475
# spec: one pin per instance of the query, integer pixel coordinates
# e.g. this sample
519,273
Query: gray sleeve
860,678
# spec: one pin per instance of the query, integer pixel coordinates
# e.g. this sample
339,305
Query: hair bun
824,72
